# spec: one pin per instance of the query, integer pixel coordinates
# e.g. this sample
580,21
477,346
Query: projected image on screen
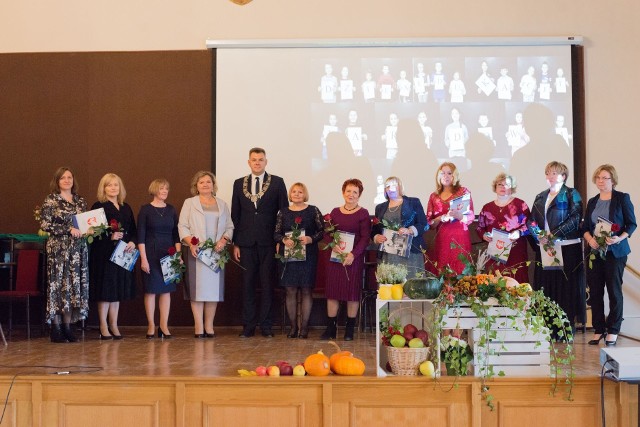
374,112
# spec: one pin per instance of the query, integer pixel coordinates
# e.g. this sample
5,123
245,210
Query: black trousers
606,274
259,264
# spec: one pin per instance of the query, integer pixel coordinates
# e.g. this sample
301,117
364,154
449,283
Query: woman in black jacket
611,214
555,226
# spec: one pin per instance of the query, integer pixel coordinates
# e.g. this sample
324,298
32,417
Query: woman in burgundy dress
452,226
509,214
344,279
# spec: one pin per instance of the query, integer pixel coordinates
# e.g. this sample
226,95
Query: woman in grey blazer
204,216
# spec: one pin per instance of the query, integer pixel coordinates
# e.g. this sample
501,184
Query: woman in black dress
111,283
67,256
157,237
298,269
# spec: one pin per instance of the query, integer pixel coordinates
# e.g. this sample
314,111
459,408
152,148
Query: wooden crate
514,352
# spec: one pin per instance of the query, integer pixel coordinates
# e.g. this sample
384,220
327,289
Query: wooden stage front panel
188,382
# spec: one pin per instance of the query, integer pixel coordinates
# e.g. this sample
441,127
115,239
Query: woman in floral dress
509,214
451,226
67,257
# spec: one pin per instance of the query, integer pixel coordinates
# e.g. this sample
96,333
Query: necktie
257,185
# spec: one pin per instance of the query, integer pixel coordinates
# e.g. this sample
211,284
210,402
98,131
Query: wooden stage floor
194,382
222,356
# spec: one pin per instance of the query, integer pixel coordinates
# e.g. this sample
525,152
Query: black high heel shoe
105,337
163,335
304,333
612,342
114,336
293,333
150,336
596,341
199,336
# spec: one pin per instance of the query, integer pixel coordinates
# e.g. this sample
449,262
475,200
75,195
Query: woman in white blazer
203,217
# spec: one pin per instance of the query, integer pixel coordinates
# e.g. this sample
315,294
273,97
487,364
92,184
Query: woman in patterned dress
509,214
67,257
451,226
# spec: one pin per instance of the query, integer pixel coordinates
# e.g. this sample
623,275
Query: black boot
332,328
348,332
68,333
56,334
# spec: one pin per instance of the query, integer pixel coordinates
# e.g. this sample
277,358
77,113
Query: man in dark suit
255,203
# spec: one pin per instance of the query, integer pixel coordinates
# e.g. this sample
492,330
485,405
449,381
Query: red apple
281,363
261,371
423,335
407,336
410,329
286,370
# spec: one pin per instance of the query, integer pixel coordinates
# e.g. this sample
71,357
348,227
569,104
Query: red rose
171,251
327,217
615,228
375,220
194,241
113,224
298,220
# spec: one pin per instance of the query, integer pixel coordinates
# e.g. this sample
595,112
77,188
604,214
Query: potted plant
390,279
456,355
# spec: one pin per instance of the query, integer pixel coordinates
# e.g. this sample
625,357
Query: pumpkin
423,288
344,363
317,365
510,282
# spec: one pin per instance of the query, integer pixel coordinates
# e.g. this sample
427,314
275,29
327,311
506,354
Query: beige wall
610,30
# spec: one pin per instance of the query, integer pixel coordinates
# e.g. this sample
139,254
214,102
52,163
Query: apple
416,343
398,341
261,371
427,369
273,371
423,335
286,370
411,329
299,371
281,363
407,336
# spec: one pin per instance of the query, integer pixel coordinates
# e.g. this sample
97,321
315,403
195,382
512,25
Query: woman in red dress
452,226
344,279
509,214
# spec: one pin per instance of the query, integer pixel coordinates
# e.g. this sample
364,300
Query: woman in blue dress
157,238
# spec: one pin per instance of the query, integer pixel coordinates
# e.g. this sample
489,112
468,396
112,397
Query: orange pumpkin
344,363
317,364
349,365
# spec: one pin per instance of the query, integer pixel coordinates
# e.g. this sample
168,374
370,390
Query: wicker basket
406,361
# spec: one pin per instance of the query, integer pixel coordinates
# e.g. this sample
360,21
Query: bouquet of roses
601,234
333,232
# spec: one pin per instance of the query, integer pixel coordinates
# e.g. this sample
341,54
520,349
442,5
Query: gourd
344,363
317,365
423,287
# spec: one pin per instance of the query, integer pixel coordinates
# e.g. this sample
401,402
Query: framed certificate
551,260
500,246
168,273
461,204
85,220
210,258
288,252
126,260
346,245
396,243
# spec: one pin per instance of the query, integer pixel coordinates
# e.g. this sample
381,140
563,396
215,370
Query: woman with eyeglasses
608,224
